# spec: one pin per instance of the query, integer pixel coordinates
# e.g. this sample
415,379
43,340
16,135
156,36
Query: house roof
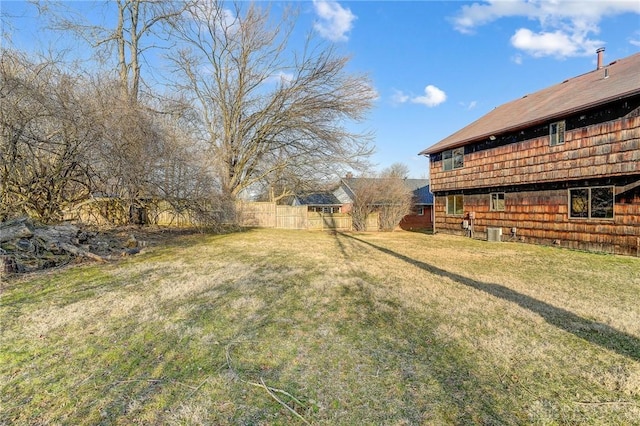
318,199
423,195
419,187
622,79
414,184
411,184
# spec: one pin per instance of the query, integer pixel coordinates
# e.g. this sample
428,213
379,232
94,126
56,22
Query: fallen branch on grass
122,382
197,387
607,403
270,390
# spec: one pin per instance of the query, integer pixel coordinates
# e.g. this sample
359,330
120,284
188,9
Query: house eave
524,125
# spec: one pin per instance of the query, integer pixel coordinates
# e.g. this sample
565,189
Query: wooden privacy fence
270,215
115,211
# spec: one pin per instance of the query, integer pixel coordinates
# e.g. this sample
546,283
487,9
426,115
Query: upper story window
497,202
453,159
556,133
591,203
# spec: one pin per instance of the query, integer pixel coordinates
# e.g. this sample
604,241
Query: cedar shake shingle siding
510,152
611,149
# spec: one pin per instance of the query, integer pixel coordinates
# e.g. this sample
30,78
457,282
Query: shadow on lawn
436,377
592,331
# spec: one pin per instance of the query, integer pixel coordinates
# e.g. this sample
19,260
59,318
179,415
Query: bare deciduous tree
129,147
384,193
265,115
398,170
365,201
132,142
395,204
46,138
134,20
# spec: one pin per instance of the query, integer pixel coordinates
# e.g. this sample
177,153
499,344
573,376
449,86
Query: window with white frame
556,133
420,211
591,203
497,202
455,205
453,159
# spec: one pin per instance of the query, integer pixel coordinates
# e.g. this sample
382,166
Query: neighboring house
324,202
559,166
420,219
345,194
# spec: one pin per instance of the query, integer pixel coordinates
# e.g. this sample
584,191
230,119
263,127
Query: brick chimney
600,53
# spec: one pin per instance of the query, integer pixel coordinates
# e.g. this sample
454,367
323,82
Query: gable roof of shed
575,94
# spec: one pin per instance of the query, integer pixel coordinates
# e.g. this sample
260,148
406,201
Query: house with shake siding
559,166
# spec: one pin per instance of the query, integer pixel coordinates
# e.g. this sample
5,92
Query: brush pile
27,247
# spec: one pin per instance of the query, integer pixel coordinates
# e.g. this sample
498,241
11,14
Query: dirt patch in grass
284,327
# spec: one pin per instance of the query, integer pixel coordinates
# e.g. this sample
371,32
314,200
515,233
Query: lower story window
420,211
455,205
591,203
497,201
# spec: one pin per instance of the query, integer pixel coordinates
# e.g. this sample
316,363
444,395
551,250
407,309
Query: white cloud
212,15
479,14
469,105
556,43
517,59
432,97
373,92
565,28
282,77
335,21
399,97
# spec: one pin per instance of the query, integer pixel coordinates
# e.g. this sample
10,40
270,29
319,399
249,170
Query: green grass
381,328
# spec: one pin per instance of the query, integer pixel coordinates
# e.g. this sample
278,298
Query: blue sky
439,65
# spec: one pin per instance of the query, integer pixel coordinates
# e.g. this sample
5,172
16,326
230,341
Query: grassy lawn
269,327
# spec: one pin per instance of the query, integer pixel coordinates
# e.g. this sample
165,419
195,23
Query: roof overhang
434,149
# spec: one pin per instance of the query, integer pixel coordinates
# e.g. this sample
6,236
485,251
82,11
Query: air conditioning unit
494,234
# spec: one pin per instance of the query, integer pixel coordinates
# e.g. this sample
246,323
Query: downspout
433,214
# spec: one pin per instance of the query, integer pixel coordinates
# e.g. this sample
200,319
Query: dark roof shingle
423,196
318,199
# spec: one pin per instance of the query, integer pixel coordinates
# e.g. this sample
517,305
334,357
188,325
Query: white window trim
554,138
